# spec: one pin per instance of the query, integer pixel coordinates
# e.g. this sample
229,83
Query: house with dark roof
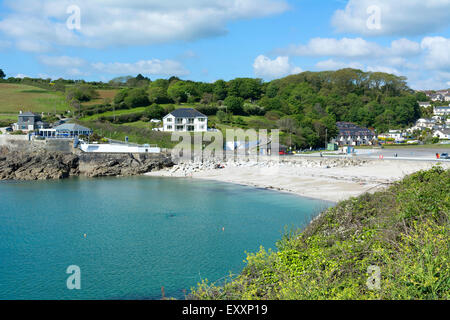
185,120
354,135
28,121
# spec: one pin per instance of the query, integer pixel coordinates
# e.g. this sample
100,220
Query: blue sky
207,40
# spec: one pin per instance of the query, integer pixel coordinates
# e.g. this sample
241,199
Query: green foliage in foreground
403,230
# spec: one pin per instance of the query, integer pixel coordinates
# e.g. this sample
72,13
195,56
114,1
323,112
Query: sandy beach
324,179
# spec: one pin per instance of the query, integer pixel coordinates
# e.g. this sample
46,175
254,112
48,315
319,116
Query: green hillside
16,97
404,231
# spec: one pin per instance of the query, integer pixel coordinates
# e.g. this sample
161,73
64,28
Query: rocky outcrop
44,165
41,165
104,165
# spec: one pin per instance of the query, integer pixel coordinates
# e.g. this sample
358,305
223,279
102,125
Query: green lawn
112,113
16,97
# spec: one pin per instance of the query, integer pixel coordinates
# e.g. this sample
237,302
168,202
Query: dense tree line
310,102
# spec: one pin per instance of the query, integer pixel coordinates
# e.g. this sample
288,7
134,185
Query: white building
437,97
398,135
442,111
425,104
185,120
442,134
119,148
66,130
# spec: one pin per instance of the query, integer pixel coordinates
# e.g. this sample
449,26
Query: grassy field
16,97
104,97
111,113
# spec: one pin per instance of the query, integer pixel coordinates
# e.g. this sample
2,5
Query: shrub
403,230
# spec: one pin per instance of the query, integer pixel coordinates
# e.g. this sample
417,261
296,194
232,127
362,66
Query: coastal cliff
45,165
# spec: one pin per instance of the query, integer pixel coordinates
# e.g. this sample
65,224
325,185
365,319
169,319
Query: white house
425,104
442,111
442,134
185,120
398,135
437,97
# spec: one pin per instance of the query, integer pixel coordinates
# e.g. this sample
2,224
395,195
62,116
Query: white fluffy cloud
400,17
74,66
148,67
40,24
332,64
266,68
353,48
437,52
345,47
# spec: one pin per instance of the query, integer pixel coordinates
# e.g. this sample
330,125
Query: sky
208,40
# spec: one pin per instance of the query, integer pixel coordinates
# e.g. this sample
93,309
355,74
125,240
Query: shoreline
331,180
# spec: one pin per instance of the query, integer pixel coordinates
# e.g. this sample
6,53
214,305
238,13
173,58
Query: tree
288,125
2,74
155,111
245,88
137,97
234,105
158,91
82,93
178,92
220,90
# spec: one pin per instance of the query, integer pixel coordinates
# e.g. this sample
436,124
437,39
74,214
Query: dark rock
44,165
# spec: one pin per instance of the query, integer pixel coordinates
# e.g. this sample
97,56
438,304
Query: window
169,127
169,119
201,119
179,121
179,128
190,121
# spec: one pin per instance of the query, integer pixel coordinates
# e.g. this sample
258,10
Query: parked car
9,130
444,156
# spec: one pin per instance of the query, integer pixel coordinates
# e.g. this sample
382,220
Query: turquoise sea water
141,234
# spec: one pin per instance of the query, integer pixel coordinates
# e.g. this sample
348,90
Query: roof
28,114
187,113
71,127
351,129
444,131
